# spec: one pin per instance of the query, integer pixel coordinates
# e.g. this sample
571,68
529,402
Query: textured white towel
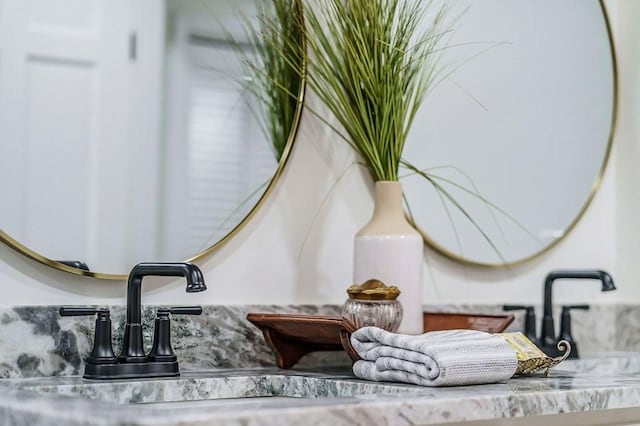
437,358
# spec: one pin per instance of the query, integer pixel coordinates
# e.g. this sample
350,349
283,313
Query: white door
67,102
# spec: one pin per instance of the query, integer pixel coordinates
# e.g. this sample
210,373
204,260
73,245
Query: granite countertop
321,396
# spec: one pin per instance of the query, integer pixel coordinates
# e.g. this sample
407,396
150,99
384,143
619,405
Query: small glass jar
385,314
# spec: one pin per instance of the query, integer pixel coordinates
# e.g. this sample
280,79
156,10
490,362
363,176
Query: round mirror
516,136
138,131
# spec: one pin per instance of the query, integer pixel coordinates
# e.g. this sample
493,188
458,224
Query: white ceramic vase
391,250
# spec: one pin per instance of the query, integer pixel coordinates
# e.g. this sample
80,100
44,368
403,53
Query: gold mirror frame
26,251
594,188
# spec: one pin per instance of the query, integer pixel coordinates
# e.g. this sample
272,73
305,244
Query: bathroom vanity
108,212
227,377
599,390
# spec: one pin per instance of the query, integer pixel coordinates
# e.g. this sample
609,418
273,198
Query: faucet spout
132,345
547,337
605,278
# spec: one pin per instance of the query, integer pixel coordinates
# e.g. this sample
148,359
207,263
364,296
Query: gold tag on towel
530,358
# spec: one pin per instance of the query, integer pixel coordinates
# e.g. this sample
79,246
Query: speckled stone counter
320,397
228,377
35,341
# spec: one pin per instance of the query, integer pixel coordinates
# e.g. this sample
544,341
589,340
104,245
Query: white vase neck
388,213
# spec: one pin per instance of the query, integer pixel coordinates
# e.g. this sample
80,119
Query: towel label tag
530,358
525,349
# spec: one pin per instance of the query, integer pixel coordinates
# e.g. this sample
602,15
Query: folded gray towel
437,358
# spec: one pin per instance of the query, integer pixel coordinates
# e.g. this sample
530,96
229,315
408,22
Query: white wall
627,176
288,255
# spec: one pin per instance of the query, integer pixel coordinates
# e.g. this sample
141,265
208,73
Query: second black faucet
548,342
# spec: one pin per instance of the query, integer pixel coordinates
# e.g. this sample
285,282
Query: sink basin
604,364
228,389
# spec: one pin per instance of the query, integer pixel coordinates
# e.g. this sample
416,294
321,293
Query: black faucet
133,362
548,341
132,346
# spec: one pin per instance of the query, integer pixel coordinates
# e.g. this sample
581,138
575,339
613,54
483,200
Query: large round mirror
516,137
139,131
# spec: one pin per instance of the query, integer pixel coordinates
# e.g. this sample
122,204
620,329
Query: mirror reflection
525,122
132,130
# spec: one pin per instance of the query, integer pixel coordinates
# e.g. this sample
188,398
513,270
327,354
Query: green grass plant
275,66
372,63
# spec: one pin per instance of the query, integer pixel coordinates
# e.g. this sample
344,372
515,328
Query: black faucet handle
181,310
78,311
529,320
102,352
569,307
517,307
565,327
161,350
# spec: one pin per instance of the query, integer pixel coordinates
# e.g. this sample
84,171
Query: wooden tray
291,336
452,321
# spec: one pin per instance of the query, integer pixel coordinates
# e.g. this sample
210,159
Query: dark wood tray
455,321
292,336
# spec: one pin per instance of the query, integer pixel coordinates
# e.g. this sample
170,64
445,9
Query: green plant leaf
275,64
441,190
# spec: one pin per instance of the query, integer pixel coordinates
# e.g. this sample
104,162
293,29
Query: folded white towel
437,358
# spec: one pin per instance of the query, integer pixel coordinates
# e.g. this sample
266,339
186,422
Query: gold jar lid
373,290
